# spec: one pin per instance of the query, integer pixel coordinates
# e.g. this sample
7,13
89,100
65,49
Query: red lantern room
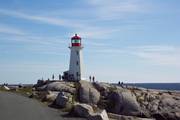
76,40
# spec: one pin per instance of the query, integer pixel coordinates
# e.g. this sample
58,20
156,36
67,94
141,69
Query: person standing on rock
90,78
122,84
53,77
93,78
119,83
59,77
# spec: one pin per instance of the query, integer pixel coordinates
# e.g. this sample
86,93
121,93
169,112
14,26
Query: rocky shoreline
122,102
103,101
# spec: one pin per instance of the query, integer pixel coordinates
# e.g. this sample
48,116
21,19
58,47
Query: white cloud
10,30
97,33
153,54
160,55
37,44
116,9
154,48
36,40
84,28
49,20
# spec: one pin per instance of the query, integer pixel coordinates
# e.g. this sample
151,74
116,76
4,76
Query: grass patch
3,89
26,91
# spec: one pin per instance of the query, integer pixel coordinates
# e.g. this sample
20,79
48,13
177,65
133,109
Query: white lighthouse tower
75,66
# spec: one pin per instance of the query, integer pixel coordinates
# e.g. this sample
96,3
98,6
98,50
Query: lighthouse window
77,52
75,41
77,63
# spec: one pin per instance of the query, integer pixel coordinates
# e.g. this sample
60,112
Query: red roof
76,37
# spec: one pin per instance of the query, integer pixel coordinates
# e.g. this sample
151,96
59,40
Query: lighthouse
75,67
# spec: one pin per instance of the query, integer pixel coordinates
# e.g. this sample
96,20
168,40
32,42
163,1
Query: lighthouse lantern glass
76,41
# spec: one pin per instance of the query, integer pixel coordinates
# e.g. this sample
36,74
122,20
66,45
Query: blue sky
124,40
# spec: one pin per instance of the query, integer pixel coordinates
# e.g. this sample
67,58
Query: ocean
159,86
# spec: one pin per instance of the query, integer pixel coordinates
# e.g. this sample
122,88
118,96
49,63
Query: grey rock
164,106
123,117
6,88
59,86
87,93
168,101
41,88
51,96
153,106
86,111
83,110
99,116
102,86
166,115
63,99
40,83
177,114
123,102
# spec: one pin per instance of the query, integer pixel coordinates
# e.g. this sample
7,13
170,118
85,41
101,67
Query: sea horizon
158,86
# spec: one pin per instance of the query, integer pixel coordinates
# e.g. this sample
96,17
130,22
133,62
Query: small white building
75,71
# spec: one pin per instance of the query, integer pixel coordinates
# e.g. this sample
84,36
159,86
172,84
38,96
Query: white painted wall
76,56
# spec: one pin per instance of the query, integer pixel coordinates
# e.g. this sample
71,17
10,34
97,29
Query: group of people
53,77
92,78
120,83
